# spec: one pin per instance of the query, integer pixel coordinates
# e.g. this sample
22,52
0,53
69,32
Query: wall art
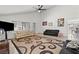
50,24
61,22
44,23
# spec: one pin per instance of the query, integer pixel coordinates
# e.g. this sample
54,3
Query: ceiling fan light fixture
39,11
39,8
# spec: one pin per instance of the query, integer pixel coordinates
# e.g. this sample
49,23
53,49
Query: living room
34,20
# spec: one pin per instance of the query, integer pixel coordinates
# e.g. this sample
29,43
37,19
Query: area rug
38,45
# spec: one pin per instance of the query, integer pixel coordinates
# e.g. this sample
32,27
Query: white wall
66,11
24,17
51,15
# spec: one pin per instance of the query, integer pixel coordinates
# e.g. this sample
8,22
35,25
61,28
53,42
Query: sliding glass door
24,26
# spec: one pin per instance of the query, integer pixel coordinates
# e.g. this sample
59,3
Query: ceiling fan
39,8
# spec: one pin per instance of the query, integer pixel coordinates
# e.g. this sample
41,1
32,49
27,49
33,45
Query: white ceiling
9,9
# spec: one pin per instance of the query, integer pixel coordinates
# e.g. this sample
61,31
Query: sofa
51,32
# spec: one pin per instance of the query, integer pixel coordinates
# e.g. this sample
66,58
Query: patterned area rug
38,45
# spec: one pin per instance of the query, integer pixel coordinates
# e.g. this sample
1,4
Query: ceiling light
39,11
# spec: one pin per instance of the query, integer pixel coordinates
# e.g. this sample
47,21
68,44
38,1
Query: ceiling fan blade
40,6
43,9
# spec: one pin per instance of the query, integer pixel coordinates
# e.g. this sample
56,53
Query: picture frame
61,22
44,23
50,24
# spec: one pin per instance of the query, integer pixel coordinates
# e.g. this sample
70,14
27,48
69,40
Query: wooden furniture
4,47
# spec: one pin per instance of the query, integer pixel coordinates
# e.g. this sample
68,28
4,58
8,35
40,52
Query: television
6,26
